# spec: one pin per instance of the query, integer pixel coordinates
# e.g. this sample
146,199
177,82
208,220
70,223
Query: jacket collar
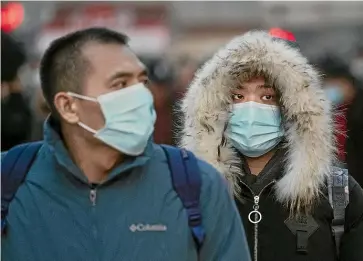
53,139
273,171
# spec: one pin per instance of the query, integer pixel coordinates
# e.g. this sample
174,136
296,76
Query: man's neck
256,165
95,160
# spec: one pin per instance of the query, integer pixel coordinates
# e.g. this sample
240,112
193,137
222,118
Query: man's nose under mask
129,118
255,129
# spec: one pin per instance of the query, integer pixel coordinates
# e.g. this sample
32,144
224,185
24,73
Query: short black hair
63,66
12,57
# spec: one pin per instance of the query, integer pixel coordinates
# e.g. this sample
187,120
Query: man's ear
67,107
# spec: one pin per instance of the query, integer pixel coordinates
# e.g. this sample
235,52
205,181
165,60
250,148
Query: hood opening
306,114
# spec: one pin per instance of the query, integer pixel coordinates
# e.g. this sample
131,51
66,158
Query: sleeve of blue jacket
225,236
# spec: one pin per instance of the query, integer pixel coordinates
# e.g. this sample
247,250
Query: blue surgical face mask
254,128
334,94
129,118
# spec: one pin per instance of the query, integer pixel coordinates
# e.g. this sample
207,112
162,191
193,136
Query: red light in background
279,33
12,16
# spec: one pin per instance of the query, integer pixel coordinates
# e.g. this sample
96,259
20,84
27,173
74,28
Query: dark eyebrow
265,86
121,74
144,72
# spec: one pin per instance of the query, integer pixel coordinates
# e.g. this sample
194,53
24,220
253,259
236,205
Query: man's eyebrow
125,74
144,72
264,86
119,74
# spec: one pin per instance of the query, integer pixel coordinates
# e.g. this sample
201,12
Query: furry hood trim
305,109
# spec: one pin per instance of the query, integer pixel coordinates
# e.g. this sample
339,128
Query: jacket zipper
257,216
93,196
93,199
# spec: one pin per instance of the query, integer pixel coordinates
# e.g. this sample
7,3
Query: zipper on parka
255,216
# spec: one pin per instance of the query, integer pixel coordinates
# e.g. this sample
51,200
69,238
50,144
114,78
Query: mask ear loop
82,97
84,126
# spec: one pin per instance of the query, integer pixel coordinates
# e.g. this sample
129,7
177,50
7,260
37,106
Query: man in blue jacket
99,189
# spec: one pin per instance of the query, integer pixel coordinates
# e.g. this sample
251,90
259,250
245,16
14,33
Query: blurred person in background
40,112
39,106
356,65
346,93
257,112
186,69
98,187
161,84
16,117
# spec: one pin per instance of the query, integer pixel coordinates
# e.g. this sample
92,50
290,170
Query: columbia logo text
147,227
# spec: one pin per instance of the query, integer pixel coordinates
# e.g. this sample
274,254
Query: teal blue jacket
135,215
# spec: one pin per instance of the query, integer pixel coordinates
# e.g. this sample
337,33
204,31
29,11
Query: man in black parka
257,112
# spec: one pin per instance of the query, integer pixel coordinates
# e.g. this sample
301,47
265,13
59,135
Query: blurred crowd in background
174,39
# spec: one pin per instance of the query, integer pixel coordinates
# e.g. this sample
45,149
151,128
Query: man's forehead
256,84
112,55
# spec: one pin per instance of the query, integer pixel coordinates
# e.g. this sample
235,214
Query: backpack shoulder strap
187,184
338,187
14,167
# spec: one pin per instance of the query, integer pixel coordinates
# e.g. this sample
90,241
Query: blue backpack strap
14,167
338,188
187,184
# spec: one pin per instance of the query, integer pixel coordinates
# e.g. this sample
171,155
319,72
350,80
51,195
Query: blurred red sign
142,23
12,16
109,15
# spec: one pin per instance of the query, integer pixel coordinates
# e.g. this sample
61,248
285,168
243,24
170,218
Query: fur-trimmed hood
306,113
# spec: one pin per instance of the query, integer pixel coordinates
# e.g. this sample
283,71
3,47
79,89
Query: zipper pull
93,196
257,200
257,214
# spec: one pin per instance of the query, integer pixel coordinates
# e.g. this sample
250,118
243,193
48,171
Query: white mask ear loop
84,126
82,97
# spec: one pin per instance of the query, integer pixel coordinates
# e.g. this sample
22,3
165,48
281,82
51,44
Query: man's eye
123,84
119,84
267,97
146,82
237,96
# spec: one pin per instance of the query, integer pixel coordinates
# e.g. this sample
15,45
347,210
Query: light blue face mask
334,94
129,118
254,128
